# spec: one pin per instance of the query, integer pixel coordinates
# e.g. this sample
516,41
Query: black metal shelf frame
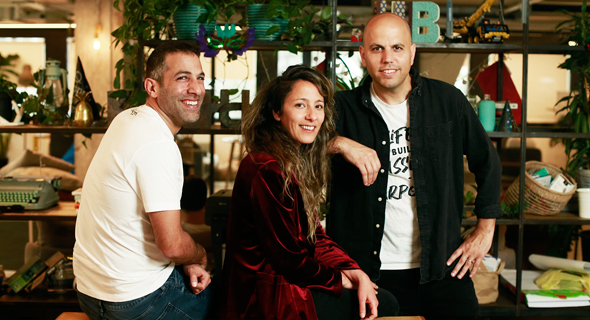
507,304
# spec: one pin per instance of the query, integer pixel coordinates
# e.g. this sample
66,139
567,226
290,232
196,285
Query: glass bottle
54,93
59,279
487,113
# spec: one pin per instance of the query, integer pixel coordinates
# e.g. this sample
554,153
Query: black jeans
438,299
329,307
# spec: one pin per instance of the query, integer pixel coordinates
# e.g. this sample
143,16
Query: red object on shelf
487,80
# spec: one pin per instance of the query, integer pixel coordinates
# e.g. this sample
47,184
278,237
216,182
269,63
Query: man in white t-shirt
132,260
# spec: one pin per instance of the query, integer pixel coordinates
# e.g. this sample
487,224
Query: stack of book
536,297
32,274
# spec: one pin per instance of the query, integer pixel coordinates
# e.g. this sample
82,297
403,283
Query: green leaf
272,30
326,13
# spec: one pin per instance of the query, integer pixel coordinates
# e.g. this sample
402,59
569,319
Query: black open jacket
443,128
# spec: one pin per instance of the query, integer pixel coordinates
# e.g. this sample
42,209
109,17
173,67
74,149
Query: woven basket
539,199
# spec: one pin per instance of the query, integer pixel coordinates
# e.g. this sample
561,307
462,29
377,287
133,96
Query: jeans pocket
171,312
139,308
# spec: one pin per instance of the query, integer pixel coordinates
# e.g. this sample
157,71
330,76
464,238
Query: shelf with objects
530,220
506,304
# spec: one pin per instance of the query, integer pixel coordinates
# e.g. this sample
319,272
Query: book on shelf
51,263
534,297
556,298
508,280
30,271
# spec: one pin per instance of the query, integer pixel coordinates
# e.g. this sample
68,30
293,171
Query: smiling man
397,181
132,260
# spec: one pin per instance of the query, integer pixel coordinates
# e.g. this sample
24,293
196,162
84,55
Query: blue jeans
173,300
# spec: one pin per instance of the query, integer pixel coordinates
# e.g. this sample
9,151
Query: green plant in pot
577,109
142,20
311,24
576,115
145,20
269,18
8,91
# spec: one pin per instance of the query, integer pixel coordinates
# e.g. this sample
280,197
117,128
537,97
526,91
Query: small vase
83,111
185,21
255,14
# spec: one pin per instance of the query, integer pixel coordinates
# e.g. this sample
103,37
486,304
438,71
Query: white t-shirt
136,169
400,246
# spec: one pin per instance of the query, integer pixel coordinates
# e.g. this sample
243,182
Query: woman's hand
366,290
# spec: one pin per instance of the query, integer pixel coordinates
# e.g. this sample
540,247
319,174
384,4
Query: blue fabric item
69,155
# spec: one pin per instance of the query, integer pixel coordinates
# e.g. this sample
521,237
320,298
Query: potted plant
142,20
270,18
576,112
8,91
309,23
145,20
577,108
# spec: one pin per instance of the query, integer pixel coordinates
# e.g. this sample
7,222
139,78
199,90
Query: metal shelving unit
508,303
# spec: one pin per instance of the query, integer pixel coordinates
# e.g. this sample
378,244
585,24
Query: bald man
397,187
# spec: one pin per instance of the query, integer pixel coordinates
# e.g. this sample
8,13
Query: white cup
584,202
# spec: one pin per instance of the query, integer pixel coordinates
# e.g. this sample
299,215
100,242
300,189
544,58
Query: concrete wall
99,65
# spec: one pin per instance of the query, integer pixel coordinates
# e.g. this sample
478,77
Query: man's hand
199,278
366,290
473,249
362,157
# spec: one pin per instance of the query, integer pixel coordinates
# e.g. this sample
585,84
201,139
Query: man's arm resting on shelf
364,158
472,251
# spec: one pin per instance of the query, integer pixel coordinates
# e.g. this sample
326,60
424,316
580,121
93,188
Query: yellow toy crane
484,32
462,26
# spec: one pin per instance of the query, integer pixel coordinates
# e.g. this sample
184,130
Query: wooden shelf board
63,211
554,49
560,218
447,47
215,129
471,221
501,134
29,128
505,305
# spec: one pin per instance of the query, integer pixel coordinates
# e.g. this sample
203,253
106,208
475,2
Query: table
37,305
63,211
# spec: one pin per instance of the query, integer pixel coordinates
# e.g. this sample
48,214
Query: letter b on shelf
425,15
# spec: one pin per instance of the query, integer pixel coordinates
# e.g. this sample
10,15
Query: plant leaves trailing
576,110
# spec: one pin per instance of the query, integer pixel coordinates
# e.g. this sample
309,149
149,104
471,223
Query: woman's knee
388,305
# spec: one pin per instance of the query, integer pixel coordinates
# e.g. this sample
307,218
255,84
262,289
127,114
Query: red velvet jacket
269,264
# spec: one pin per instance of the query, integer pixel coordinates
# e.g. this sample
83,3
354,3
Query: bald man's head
388,54
377,20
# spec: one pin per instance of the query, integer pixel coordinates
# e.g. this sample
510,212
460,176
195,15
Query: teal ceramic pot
185,21
255,13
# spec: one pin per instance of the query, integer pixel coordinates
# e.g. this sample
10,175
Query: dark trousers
329,307
439,299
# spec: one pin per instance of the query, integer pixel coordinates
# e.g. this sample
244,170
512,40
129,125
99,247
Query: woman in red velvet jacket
279,263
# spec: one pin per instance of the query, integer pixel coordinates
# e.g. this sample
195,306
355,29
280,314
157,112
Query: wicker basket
539,199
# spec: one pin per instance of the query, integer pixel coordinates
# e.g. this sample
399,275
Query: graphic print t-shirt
400,246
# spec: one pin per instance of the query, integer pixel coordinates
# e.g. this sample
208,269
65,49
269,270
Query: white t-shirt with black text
400,246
